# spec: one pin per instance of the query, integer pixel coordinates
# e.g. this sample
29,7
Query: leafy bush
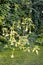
17,26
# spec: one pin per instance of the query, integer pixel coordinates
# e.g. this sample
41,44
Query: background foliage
19,28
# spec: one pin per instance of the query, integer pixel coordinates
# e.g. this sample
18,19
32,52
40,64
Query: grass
21,58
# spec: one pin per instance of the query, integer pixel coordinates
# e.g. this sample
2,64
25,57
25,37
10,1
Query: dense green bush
17,28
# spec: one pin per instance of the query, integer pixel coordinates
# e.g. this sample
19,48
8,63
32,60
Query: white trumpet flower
12,56
37,52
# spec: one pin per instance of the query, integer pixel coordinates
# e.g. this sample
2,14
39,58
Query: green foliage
17,26
39,40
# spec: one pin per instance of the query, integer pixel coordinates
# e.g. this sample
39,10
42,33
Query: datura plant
18,41
17,29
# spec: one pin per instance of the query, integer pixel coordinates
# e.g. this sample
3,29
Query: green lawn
21,58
